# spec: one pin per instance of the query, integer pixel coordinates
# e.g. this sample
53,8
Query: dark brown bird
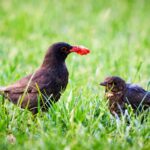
119,93
47,83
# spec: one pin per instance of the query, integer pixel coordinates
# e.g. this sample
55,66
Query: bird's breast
61,76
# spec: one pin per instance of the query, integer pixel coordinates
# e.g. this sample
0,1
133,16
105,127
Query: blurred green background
117,32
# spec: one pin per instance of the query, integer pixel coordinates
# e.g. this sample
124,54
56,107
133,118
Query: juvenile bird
119,93
47,83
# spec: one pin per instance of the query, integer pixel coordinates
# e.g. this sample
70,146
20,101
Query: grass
118,34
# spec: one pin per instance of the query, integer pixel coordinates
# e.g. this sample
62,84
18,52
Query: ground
118,34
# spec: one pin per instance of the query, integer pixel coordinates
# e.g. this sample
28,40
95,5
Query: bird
45,86
120,94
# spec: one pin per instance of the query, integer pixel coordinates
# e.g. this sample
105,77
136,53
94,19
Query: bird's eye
115,83
64,49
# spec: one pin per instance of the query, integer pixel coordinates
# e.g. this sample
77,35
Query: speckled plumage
120,94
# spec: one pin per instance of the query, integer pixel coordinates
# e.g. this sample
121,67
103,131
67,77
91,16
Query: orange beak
80,50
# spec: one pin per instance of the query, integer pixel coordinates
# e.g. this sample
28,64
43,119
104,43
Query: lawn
118,35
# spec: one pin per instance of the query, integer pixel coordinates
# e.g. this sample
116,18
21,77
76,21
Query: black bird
47,83
119,93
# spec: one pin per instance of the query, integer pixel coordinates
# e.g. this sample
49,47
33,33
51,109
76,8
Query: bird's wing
19,86
137,95
30,83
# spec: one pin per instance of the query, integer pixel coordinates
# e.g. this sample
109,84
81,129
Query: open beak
103,83
80,50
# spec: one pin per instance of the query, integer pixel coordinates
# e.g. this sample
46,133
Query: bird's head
61,50
113,84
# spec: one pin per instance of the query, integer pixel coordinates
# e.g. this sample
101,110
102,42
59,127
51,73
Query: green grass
118,34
